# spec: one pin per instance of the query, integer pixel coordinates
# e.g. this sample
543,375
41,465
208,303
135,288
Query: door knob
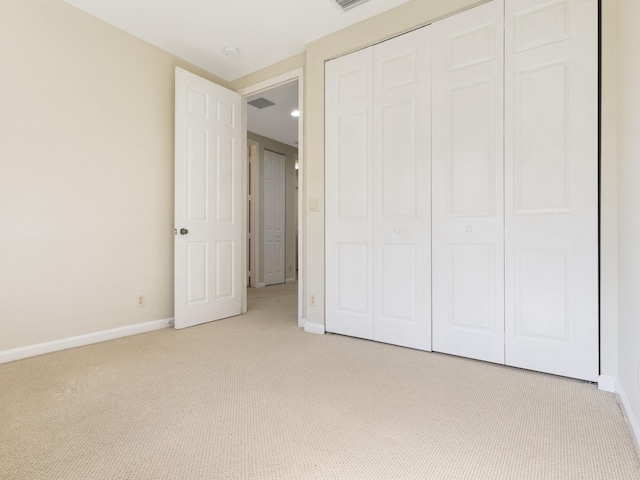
183,231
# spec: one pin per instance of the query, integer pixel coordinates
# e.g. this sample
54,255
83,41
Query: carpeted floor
254,397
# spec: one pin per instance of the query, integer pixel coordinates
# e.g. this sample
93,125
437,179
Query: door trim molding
607,383
287,77
317,328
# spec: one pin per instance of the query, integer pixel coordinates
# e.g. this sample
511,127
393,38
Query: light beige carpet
254,397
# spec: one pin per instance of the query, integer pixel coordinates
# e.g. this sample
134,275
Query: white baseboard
290,280
261,285
626,406
81,340
311,327
607,383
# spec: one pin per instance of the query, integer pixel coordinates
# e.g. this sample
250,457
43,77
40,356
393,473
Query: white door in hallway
208,201
551,196
274,217
467,169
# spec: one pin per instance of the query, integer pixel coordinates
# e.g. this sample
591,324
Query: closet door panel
467,169
401,201
551,194
349,208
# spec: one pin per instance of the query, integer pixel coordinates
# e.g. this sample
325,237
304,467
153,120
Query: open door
208,201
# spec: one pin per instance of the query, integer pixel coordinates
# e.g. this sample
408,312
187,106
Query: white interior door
274,217
468,230
551,197
349,195
208,201
401,186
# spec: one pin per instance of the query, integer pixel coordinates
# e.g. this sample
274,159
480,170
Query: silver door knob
183,231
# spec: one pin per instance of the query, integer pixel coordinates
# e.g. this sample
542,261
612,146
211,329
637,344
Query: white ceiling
276,122
264,31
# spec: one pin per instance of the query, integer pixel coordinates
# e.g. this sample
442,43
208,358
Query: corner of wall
628,411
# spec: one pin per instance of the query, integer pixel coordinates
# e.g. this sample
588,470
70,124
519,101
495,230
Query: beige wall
290,154
86,175
267,73
629,204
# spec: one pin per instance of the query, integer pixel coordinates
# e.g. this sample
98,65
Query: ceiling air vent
348,4
260,103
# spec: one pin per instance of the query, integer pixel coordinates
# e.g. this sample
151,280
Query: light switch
314,205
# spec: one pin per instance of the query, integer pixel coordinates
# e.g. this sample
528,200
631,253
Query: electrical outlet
140,300
312,300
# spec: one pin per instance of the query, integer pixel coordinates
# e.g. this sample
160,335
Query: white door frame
268,84
255,221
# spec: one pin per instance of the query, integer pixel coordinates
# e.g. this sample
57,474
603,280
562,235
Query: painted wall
609,192
86,175
290,154
629,205
267,73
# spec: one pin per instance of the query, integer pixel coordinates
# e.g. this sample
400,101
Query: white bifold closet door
468,227
551,196
377,192
513,128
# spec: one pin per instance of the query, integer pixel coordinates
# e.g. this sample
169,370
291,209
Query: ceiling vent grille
348,4
261,103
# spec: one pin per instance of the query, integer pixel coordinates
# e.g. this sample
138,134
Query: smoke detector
230,52
348,4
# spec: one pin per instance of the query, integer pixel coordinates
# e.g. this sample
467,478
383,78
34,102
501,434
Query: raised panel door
401,184
349,195
551,196
208,201
467,168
